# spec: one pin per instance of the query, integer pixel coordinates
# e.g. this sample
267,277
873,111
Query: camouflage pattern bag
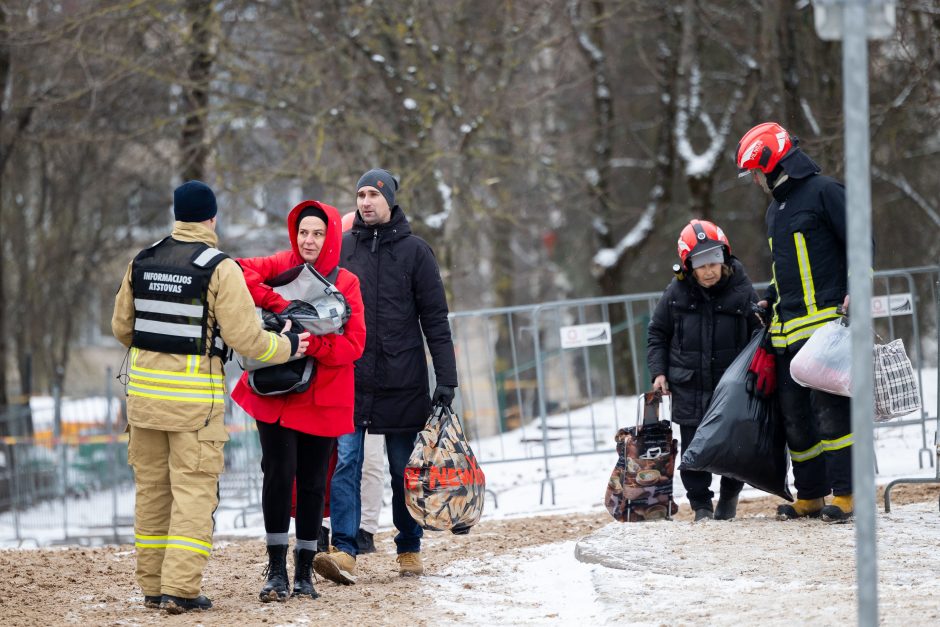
444,486
640,487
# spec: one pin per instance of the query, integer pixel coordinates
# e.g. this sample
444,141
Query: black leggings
286,454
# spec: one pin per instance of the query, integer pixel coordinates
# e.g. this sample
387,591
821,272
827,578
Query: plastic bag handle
442,412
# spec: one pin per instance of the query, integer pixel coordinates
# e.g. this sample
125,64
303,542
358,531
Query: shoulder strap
331,277
208,257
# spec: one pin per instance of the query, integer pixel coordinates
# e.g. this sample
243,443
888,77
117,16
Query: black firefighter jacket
403,295
806,226
695,334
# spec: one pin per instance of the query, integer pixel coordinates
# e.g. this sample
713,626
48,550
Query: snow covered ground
746,572
669,572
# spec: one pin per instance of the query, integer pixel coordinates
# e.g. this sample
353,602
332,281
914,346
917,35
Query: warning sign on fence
581,335
894,305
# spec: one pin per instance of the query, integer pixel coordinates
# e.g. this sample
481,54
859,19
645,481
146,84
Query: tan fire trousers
177,479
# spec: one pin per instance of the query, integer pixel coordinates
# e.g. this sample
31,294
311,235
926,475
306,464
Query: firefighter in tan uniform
180,307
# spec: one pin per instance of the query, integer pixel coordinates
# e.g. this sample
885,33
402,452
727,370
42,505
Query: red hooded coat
326,407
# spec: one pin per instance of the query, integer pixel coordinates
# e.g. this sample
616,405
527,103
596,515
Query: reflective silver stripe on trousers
206,256
168,328
164,307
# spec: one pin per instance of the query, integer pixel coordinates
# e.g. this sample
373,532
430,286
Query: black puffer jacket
403,294
694,336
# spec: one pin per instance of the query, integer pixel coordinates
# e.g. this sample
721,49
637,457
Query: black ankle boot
303,564
275,588
727,508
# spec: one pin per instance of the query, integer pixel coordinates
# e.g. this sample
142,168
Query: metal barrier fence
522,397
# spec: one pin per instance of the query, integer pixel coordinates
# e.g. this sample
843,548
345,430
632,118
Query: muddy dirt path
95,586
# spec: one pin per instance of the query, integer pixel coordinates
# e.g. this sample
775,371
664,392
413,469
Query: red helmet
348,220
702,233
763,147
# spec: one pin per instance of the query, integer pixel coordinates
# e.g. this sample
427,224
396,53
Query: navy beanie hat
383,181
193,201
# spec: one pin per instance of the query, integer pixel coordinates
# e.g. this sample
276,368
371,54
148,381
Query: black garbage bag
742,436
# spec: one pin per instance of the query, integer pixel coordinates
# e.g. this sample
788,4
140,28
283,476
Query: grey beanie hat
383,181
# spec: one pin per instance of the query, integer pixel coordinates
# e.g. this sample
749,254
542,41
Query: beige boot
336,565
409,564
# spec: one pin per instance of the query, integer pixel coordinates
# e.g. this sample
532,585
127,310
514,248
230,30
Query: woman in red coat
298,431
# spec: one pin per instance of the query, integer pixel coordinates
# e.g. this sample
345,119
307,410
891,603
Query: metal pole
63,453
113,448
858,208
543,414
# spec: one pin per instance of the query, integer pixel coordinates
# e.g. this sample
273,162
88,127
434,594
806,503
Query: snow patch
437,220
410,104
608,257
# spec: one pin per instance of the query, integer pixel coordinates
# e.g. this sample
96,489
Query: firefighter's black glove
294,341
762,313
443,395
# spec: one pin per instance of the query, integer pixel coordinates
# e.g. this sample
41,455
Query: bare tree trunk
592,45
4,348
194,151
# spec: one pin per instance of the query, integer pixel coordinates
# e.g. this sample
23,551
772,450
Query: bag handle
647,409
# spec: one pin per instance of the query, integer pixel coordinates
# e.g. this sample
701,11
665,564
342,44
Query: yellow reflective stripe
204,391
190,398
192,364
150,542
172,545
190,386
821,315
806,273
272,348
177,373
217,383
781,341
773,281
800,328
802,456
840,443
208,545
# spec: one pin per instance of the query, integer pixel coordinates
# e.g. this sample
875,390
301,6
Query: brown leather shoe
409,564
336,565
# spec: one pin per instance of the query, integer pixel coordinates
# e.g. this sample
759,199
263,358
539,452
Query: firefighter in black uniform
809,287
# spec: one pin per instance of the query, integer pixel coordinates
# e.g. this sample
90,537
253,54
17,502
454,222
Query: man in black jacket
806,231
404,300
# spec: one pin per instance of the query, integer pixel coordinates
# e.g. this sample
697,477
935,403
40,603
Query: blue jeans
345,506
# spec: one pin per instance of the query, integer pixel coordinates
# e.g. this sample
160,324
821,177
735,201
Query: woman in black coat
702,322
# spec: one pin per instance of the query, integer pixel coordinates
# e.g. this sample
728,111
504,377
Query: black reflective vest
170,283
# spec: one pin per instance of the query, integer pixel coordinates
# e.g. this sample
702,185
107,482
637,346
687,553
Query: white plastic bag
896,391
825,361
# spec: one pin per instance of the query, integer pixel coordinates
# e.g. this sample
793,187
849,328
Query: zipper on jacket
375,239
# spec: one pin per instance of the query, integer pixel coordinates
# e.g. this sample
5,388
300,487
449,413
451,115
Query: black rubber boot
703,514
727,508
365,542
303,581
275,588
178,605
